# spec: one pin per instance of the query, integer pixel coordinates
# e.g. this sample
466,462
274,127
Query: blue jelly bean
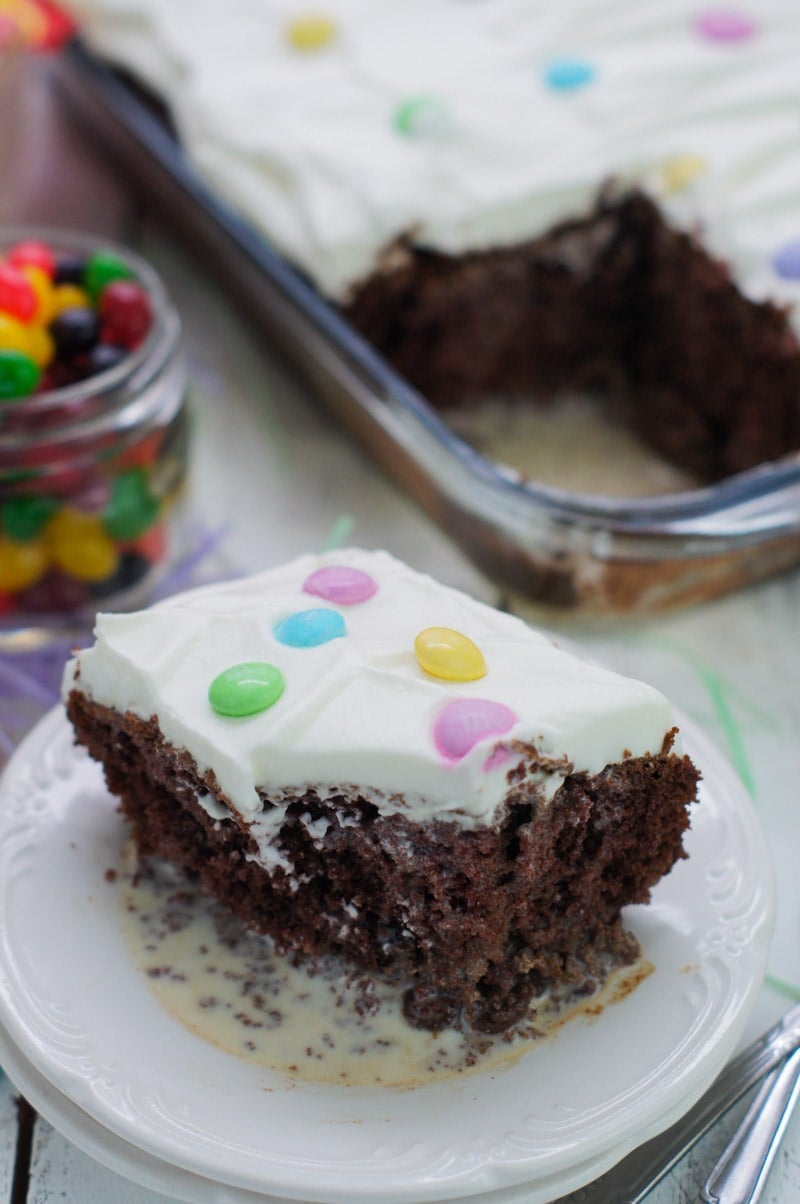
565,75
786,260
308,628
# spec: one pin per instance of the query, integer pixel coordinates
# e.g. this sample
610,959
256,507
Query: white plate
79,1012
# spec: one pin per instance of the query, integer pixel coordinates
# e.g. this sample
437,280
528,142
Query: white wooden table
271,467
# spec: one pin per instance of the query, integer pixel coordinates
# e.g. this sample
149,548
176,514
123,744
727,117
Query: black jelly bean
75,330
132,568
104,356
70,269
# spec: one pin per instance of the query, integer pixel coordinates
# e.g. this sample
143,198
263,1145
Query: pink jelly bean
725,25
340,584
464,722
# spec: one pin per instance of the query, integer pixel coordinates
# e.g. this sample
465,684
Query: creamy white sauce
227,985
575,443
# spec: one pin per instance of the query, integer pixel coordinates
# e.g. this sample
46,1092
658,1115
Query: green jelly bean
132,508
246,689
101,268
23,517
19,375
421,116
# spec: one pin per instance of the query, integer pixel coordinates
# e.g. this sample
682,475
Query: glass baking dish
582,551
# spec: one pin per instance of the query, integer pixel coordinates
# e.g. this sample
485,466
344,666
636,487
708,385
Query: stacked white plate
84,1038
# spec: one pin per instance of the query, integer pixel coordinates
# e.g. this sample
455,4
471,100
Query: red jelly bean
33,254
152,545
17,294
142,454
125,313
56,591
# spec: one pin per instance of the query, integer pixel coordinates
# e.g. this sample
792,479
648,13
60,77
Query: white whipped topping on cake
466,124
358,712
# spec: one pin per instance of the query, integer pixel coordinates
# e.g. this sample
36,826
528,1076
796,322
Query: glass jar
90,471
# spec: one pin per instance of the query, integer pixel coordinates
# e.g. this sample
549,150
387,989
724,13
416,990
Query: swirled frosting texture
467,125
359,710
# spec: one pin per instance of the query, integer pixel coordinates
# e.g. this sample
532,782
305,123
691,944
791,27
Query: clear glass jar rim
166,323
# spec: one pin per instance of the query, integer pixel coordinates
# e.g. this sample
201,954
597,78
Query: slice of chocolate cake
359,761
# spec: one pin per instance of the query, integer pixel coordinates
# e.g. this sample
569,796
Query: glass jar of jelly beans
93,428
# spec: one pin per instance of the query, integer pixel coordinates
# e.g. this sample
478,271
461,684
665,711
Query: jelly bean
341,584
92,497
60,374
152,545
70,269
16,293
725,25
24,517
80,546
446,653
125,313
464,722
786,260
54,593
42,286
677,173
144,453
421,116
19,375
246,689
75,330
308,628
132,508
41,345
104,356
311,32
21,564
69,296
567,75
131,570
33,253
14,335
101,268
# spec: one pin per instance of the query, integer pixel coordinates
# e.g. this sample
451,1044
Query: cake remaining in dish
362,762
515,196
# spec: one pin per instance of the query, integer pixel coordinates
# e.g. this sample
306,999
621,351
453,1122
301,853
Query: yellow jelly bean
14,335
41,345
69,296
311,32
43,288
21,564
80,547
679,172
445,653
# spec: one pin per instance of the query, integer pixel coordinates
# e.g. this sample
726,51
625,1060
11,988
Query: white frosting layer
359,711
305,143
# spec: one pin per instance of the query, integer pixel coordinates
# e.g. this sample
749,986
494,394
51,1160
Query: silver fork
631,1179
741,1172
